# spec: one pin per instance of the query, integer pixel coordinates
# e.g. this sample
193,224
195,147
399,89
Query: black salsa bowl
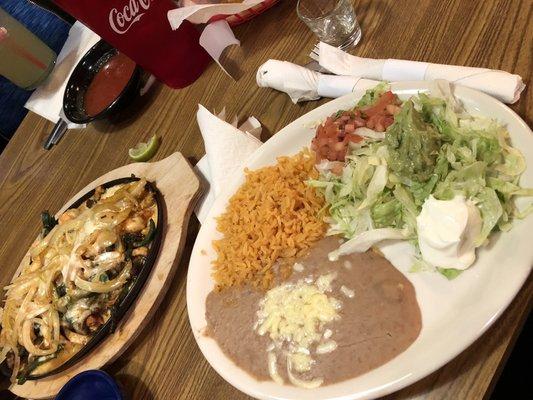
80,79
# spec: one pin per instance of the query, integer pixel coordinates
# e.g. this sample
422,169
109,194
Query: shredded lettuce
373,94
419,265
365,240
433,148
450,273
368,99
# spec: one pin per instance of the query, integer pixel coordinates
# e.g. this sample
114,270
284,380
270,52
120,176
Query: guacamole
412,144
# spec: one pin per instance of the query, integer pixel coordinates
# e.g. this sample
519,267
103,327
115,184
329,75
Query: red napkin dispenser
140,29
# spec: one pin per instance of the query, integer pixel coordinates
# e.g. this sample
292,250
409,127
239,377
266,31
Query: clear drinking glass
333,21
24,58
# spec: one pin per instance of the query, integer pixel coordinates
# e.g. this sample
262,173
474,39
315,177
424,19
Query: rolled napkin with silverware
302,84
502,85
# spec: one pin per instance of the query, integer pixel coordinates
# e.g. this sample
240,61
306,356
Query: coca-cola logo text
122,21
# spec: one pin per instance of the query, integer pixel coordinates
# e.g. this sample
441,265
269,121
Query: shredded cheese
347,292
300,382
326,347
324,282
301,362
298,267
273,368
295,314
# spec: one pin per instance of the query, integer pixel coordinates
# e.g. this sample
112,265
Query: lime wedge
144,151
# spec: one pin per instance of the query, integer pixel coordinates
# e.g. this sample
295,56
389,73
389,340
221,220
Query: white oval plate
454,313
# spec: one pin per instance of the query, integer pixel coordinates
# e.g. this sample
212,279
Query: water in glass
333,21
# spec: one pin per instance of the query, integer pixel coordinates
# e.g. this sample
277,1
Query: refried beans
379,318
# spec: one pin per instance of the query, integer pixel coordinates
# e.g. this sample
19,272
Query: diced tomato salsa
338,131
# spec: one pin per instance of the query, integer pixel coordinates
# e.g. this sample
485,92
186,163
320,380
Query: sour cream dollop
447,230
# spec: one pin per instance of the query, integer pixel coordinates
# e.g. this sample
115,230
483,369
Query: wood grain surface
164,362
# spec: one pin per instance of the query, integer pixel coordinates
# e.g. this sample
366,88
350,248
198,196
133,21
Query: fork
314,55
315,64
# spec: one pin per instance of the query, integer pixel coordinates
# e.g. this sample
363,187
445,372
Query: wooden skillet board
180,188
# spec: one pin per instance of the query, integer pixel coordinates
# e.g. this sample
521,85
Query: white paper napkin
47,99
202,13
303,84
502,85
227,147
215,38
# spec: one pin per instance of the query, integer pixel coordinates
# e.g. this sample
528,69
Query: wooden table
165,363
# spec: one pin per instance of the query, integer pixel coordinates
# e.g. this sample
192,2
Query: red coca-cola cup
140,29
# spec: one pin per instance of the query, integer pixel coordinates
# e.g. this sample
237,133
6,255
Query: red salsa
108,83
339,130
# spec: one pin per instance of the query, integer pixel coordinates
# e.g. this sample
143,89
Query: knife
57,133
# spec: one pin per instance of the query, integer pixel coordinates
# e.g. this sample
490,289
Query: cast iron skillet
126,298
81,77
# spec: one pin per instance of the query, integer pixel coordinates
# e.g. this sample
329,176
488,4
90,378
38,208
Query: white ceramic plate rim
455,313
